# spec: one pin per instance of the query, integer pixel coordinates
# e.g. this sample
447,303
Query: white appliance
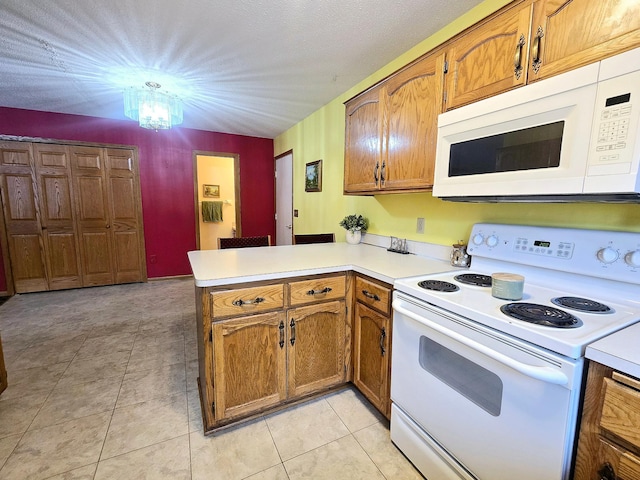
478,394
567,138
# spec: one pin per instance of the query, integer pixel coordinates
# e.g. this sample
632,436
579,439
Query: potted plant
354,225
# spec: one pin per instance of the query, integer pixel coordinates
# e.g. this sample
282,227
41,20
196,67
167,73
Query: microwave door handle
546,374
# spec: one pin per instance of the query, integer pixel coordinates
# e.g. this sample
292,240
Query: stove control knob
492,241
478,239
633,258
607,255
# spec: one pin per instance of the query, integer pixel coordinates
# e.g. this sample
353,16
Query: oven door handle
545,374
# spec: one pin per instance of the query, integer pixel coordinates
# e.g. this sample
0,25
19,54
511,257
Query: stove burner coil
541,315
438,286
474,279
582,304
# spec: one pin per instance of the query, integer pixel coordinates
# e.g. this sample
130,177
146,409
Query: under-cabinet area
609,443
267,344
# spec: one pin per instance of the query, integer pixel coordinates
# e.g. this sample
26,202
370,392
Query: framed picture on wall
211,191
313,177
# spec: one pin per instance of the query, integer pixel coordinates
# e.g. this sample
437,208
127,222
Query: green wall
321,136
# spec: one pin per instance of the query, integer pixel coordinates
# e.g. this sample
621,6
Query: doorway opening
284,198
216,197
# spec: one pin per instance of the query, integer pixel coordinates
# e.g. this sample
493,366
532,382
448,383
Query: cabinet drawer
621,411
308,291
243,301
372,294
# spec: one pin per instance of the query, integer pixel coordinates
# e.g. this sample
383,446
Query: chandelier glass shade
152,108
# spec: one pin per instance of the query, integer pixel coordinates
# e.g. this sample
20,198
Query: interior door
22,218
284,199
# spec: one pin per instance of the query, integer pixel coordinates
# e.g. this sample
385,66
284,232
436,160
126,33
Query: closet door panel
53,171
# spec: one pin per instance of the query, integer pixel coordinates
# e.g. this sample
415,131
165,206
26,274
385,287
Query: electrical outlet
420,225
295,213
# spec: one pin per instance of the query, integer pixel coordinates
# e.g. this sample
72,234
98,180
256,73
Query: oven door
500,408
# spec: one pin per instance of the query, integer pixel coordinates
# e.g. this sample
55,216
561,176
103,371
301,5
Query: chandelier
152,108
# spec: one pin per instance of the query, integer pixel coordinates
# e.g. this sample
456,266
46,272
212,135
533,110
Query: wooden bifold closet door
72,215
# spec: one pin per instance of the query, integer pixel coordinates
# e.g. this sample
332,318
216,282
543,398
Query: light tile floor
102,385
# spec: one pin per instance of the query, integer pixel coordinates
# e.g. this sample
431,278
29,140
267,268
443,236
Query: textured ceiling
251,67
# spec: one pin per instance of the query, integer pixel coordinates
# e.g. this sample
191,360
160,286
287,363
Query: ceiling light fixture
152,108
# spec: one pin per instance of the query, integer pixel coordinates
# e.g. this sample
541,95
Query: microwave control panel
615,129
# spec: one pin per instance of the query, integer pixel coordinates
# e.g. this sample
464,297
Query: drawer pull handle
281,328
383,334
375,172
535,50
242,303
517,58
383,173
370,295
319,292
606,472
293,331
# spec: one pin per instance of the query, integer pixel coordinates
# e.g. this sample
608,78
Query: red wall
166,176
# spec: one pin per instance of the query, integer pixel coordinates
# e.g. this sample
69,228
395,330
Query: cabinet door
126,216
317,347
22,218
94,225
489,59
568,34
62,253
249,356
363,134
413,100
371,356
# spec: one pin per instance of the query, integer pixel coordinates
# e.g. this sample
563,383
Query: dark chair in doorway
314,238
244,242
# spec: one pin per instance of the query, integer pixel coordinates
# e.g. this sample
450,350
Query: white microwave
572,137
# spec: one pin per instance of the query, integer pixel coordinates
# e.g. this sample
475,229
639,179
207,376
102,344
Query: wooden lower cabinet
609,439
372,342
371,353
249,364
261,349
316,344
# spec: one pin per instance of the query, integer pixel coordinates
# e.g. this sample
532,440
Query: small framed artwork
211,191
313,177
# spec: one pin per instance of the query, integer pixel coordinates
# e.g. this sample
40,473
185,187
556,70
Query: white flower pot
354,237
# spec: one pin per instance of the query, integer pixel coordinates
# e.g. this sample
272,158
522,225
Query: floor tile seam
275,444
75,468
66,420
13,450
101,460
367,453
317,448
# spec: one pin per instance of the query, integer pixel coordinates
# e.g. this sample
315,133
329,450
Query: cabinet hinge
211,335
444,98
446,66
213,407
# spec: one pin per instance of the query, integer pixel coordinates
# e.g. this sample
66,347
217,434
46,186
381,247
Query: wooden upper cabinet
412,103
490,58
568,34
363,142
391,131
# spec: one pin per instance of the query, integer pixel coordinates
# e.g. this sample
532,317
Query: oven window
527,149
476,383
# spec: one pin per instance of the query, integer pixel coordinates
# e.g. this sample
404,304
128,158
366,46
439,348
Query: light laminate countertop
231,266
620,351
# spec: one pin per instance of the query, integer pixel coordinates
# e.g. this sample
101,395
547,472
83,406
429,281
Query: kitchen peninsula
276,324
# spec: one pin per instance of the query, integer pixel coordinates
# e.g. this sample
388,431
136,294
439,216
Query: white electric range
480,394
